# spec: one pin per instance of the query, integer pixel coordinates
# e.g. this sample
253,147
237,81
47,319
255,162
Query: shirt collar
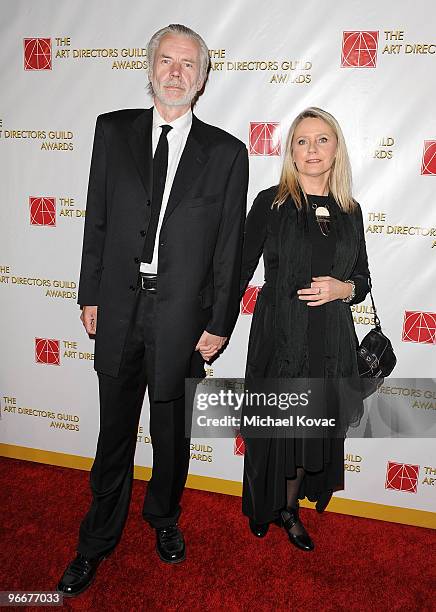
180,124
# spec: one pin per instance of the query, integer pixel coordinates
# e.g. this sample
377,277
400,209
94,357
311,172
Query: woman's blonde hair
339,183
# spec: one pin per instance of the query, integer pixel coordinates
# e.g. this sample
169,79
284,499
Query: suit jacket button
148,202
136,260
142,232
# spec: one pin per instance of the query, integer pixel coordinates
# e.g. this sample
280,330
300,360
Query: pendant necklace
323,218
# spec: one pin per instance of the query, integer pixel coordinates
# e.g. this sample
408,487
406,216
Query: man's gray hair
177,28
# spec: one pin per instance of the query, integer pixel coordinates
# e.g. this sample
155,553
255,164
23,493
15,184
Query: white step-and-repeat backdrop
370,64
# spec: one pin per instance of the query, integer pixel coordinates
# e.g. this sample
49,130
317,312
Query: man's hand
209,345
324,289
89,319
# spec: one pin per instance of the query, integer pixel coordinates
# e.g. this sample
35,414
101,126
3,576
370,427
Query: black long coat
279,348
199,245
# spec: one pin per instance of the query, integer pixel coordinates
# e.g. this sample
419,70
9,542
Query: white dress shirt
176,143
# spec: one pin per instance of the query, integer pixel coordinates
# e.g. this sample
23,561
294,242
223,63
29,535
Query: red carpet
358,565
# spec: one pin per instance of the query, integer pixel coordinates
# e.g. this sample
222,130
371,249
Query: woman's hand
324,289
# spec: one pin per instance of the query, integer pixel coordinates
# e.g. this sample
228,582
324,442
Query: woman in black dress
310,232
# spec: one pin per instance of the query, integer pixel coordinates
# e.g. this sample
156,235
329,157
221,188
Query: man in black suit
159,287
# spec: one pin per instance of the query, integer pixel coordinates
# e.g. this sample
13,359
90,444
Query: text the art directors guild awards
218,311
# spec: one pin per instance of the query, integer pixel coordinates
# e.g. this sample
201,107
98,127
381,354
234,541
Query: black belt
147,282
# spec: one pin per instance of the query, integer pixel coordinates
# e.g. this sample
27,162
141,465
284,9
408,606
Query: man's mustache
173,84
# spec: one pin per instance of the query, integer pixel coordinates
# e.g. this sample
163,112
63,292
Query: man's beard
159,92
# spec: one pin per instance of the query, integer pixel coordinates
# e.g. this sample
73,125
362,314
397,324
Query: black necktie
160,166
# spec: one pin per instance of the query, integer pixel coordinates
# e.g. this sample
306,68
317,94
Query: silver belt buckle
142,283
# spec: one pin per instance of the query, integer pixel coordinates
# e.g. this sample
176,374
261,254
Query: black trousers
111,476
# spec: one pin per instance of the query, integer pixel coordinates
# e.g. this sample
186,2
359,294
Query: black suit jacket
200,241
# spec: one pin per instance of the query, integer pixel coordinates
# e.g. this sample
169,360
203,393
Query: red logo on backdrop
249,299
265,138
239,446
359,49
402,477
429,157
42,211
419,327
47,351
37,54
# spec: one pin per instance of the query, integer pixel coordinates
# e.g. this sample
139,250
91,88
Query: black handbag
375,355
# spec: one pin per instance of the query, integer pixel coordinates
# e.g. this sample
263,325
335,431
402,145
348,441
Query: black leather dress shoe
78,575
259,529
323,501
289,518
170,544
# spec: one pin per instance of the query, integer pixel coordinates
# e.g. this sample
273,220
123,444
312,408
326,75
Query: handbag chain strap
376,319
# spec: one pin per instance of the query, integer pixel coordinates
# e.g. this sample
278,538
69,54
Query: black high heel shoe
289,518
323,501
258,529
